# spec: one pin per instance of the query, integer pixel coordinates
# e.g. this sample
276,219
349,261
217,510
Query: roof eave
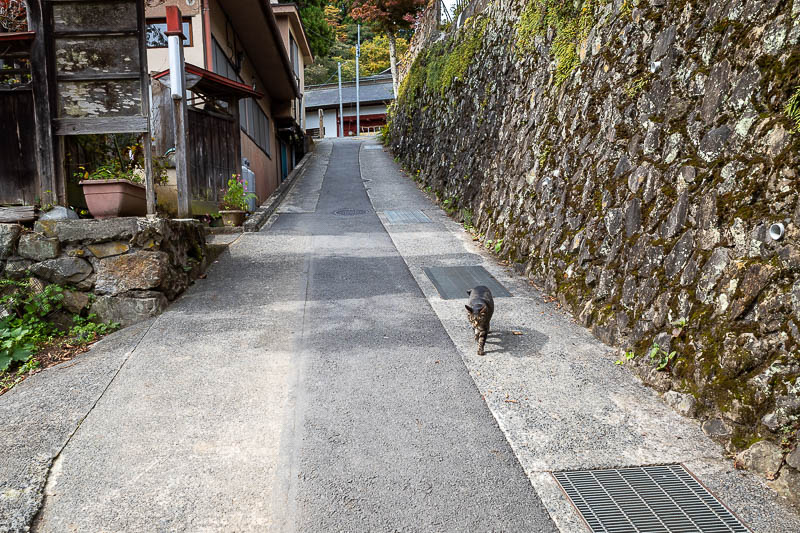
245,18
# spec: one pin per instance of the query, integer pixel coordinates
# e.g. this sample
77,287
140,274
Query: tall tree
389,16
320,35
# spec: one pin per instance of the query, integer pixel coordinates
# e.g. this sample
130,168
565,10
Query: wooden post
321,124
177,76
233,105
147,137
49,188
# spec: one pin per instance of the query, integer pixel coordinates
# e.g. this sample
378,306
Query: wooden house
241,41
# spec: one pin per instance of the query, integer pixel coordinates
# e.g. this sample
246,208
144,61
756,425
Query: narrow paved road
391,432
306,385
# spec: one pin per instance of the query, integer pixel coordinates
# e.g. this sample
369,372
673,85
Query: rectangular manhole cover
454,282
413,216
373,147
651,499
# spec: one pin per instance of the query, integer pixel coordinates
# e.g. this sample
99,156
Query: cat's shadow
523,343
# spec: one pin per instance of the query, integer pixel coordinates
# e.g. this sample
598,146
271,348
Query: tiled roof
328,95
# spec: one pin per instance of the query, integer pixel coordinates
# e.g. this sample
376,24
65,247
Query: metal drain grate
349,212
412,216
373,147
454,282
651,499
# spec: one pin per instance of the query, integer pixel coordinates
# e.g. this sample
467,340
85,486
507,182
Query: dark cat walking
479,311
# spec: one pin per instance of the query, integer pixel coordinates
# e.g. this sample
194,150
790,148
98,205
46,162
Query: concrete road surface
317,382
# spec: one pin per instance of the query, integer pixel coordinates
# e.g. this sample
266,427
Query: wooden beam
147,141
41,83
22,213
85,126
99,76
94,33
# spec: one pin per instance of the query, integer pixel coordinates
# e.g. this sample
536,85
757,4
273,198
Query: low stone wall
126,269
631,156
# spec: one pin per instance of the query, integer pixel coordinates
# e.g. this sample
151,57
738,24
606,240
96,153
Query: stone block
37,247
717,428
754,281
9,235
129,310
684,404
142,270
763,457
17,268
62,270
108,249
60,213
679,256
788,485
89,231
75,301
793,458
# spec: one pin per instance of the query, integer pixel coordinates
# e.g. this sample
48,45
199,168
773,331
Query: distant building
375,93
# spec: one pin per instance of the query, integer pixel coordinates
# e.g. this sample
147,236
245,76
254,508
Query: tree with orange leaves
389,16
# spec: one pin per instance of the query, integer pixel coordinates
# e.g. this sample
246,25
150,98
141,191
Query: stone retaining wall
126,269
631,159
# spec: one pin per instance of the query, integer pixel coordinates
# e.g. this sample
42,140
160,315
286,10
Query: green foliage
9,379
384,134
86,330
498,245
434,71
494,245
15,344
792,109
466,218
116,156
571,20
660,357
319,34
629,355
235,198
681,322
374,59
24,327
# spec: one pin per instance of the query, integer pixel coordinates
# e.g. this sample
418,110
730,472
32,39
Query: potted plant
233,206
114,188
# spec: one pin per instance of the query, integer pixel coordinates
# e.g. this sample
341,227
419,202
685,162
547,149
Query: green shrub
15,344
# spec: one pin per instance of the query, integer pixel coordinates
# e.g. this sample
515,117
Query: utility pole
177,83
341,111
358,100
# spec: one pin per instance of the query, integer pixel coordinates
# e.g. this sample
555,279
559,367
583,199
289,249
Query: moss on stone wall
436,69
571,21
641,191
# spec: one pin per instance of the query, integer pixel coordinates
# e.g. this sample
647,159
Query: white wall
365,110
330,122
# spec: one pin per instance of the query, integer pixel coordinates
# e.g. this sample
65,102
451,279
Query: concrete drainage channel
654,499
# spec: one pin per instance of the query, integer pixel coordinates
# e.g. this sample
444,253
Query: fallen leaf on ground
517,333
